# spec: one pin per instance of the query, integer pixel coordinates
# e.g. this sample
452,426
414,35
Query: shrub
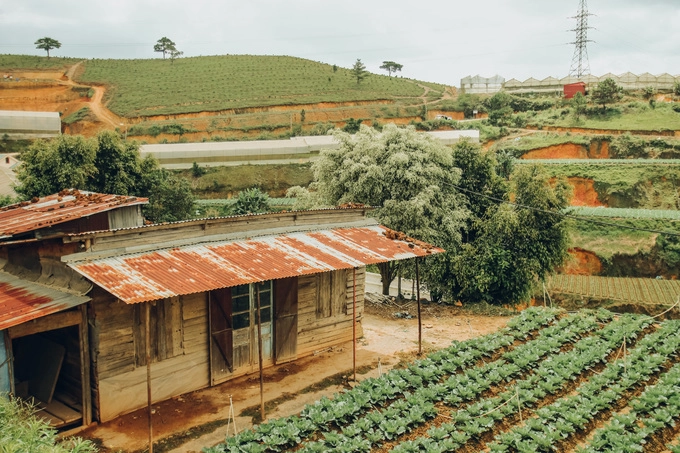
21,431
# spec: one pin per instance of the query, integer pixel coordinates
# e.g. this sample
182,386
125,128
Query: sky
435,40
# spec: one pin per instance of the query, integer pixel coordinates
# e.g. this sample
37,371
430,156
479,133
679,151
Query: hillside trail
95,104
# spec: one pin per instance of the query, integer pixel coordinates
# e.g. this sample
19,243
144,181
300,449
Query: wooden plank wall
316,333
121,384
4,365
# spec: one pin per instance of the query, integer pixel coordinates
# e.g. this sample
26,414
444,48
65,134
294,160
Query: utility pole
580,65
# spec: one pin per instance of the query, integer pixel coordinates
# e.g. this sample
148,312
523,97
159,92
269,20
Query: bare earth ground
198,419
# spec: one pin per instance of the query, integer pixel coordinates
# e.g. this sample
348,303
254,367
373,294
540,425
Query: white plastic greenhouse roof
33,124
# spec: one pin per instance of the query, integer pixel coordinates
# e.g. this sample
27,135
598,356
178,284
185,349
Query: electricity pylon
579,63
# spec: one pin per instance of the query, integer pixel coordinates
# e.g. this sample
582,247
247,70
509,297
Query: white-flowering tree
409,177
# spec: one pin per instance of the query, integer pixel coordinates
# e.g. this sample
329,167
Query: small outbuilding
571,89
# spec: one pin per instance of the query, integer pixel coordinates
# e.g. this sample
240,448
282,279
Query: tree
48,167
105,164
47,44
391,66
499,108
409,176
251,201
164,45
580,104
170,197
359,71
607,92
515,247
174,53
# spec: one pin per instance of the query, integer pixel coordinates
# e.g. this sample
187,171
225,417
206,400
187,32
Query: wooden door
286,319
266,298
221,335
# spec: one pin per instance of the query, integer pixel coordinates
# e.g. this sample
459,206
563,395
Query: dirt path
102,113
387,341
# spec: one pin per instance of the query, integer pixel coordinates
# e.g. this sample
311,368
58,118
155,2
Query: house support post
259,350
354,322
420,322
148,371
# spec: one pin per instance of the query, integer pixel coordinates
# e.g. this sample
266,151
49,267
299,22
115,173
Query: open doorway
48,373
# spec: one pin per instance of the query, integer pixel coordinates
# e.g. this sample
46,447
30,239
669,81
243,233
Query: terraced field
583,382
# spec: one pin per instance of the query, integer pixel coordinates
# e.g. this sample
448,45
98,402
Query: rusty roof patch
196,268
22,301
58,208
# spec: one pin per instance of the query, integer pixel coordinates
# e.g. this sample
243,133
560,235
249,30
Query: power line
563,214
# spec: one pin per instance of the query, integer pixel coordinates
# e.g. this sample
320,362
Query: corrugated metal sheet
22,301
191,269
58,208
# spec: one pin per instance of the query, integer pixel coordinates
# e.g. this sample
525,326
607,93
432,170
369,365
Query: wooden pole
148,371
354,322
259,349
420,322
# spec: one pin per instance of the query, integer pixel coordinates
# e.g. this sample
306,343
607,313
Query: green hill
188,85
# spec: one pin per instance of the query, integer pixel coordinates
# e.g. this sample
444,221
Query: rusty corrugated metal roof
196,268
22,301
58,208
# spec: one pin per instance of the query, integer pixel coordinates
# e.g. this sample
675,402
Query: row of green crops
625,213
159,87
537,385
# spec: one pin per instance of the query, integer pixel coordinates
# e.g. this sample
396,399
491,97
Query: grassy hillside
160,87
32,62
634,115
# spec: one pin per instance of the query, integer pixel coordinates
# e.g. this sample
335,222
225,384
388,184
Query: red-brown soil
596,150
581,262
51,91
584,192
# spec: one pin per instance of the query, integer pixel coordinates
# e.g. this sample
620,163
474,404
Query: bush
21,431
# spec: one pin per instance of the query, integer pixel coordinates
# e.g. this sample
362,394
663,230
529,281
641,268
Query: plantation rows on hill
542,384
187,85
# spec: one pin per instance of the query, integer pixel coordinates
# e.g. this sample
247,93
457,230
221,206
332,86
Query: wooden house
207,293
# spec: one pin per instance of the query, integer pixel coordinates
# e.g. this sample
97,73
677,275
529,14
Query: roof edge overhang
156,274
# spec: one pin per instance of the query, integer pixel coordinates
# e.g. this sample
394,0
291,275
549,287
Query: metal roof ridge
40,284
74,236
224,237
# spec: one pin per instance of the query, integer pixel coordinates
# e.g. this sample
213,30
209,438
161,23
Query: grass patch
627,186
607,240
226,182
520,145
630,116
81,115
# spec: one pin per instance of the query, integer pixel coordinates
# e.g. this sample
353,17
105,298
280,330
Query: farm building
481,85
295,150
8,178
571,89
76,305
25,125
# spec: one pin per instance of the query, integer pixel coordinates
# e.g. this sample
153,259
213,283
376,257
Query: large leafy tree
607,92
515,245
64,162
104,164
409,177
391,66
47,44
165,46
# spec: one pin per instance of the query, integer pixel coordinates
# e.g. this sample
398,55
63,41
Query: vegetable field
634,290
187,85
582,382
624,213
